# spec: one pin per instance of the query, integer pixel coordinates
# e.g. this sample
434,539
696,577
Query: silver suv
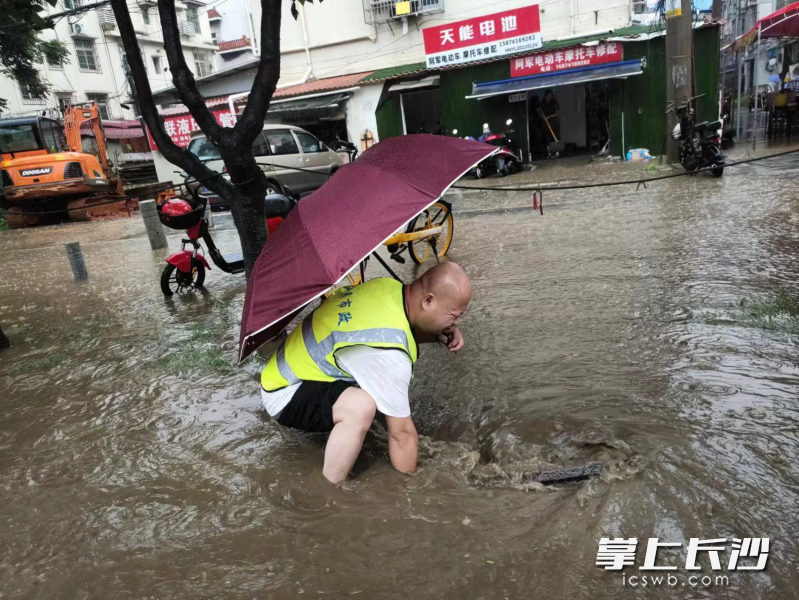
283,146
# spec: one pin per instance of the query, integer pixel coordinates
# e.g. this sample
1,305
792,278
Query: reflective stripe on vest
379,301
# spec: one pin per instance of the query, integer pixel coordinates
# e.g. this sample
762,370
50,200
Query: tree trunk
247,187
249,208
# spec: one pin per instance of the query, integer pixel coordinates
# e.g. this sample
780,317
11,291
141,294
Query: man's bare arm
403,443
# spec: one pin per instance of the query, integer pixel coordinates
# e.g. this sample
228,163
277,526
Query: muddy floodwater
136,460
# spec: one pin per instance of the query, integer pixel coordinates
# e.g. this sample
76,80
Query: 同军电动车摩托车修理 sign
481,38
564,59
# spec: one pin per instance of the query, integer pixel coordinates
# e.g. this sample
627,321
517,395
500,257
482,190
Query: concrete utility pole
679,66
716,14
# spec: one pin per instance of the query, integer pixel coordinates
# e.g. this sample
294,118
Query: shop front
564,94
607,93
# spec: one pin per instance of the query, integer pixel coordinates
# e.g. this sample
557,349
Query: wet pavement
137,463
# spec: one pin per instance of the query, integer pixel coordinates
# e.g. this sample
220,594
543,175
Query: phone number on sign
519,40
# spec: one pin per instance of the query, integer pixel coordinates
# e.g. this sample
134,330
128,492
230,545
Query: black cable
124,199
612,183
539,188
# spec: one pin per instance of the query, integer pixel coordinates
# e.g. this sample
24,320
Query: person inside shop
551,110
538,135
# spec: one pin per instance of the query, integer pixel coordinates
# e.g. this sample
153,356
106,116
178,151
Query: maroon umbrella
341,223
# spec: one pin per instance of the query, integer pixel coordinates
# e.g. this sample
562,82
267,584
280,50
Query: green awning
392,72
320,105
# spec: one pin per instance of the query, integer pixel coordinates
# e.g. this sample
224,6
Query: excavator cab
45,171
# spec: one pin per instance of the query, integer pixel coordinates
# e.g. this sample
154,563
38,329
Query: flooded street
137,461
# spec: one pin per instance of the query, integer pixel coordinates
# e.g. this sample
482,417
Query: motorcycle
507,162
185,270
348,148
503,163
699,142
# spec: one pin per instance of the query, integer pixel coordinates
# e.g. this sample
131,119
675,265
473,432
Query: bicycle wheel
438,215
352,279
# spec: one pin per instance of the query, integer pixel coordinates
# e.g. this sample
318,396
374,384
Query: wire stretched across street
536,189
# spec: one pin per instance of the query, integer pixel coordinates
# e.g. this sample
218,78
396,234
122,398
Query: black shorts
311,407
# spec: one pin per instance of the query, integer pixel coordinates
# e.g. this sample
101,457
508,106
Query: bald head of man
436,300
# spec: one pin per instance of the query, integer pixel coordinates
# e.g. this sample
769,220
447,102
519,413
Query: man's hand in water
452,338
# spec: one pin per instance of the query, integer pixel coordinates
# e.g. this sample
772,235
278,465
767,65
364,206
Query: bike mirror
508,122
454,132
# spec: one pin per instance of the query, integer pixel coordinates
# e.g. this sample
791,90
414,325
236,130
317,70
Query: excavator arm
77,114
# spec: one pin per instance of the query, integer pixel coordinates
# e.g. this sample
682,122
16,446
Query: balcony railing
382,11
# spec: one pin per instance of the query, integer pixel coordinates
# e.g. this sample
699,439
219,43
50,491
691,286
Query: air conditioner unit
77,28
187,28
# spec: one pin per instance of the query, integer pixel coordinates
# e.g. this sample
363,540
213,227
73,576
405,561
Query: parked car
284,146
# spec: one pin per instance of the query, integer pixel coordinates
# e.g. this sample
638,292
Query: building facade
331,50
360,70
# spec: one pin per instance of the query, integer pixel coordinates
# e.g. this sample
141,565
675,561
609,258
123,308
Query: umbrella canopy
780,23
341,223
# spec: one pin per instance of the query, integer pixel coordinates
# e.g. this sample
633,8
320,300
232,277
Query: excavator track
17,220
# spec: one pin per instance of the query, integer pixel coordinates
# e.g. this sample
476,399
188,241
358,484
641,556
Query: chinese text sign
566,58
179,128
490,36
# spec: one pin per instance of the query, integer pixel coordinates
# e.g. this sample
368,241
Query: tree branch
173,153
182,77
266,78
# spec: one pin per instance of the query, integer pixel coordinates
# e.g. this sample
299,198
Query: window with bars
145,14
193,18
203,63
102,103
28,97
87,56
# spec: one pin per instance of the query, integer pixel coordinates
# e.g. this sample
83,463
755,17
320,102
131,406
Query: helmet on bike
176,207
676,133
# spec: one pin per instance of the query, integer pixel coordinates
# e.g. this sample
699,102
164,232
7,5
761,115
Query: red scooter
185,270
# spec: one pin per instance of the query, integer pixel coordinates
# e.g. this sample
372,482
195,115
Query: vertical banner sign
179,128
673,8
564,59
490,36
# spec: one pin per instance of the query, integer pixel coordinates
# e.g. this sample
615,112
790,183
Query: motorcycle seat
699,127
277,205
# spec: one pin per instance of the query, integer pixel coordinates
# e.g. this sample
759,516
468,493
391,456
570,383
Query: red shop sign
498,34
563,59
179,128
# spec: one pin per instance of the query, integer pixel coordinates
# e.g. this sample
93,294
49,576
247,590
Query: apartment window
28,97
63,103
213,38
102,103
54,67
157,65
145,14
203,63
193,18
87,55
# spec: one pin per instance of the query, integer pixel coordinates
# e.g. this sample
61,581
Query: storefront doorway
582,120
421,111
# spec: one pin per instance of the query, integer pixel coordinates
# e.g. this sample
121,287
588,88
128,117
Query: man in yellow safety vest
354,356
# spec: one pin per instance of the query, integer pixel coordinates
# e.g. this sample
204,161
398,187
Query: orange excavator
46,175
